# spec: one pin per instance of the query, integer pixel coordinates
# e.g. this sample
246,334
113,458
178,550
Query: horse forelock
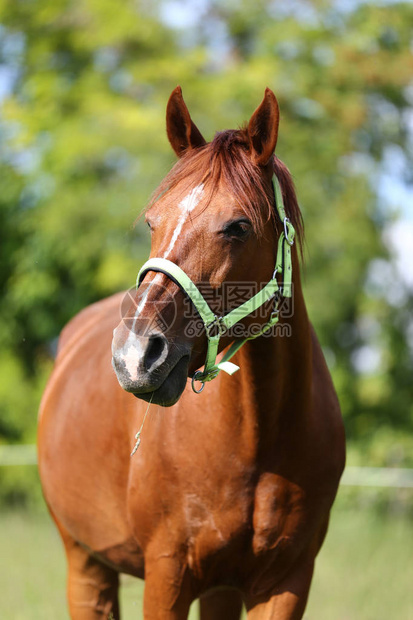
226,161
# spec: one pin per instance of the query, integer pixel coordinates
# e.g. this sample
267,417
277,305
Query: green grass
364,571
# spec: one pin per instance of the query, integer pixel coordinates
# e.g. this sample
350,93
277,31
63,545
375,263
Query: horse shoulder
327,420
83,426
294,496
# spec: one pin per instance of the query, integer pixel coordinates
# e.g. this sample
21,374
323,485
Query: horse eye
238,229
149,225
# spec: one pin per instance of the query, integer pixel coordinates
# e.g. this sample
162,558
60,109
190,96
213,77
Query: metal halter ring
194,378
286,222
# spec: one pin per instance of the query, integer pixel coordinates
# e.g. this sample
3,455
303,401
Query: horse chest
212,511
244,534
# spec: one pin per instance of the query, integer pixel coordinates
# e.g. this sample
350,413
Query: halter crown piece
216,326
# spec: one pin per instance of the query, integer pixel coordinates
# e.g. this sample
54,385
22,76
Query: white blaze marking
131,351
132,356
144,299
186,205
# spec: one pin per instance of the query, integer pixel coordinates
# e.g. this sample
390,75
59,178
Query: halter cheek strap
216,326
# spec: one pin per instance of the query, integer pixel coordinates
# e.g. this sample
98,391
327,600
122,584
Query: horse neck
276,372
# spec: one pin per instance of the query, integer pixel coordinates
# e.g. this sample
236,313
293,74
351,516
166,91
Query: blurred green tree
83,146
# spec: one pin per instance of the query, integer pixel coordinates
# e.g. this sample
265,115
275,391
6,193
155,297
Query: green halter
216,326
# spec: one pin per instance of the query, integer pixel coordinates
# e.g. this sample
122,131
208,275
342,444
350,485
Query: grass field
364,571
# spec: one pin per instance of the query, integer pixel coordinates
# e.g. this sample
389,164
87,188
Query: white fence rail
18,455
395,477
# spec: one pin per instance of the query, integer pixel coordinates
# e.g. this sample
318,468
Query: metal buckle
218,323
275,311
286,223
274,316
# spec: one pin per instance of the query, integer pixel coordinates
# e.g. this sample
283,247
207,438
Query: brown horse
228,497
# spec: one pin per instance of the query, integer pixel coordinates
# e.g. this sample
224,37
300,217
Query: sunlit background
83,89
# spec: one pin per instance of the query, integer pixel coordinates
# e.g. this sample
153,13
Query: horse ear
182,133
263,129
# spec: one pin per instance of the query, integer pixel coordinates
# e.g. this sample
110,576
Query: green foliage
20,488
83,147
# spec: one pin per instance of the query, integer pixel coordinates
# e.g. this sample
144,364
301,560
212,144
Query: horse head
213,216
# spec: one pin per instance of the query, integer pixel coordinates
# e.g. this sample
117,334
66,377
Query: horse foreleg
288,601
168,593
221,605
92,587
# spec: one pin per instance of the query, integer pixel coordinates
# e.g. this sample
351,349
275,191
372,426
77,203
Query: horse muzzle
150,367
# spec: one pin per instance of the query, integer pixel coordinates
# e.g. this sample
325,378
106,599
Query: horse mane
226,160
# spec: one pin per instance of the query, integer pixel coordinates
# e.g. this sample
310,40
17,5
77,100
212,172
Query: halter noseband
216,326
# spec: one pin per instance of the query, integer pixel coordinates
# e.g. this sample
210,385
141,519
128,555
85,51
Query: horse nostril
154,352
